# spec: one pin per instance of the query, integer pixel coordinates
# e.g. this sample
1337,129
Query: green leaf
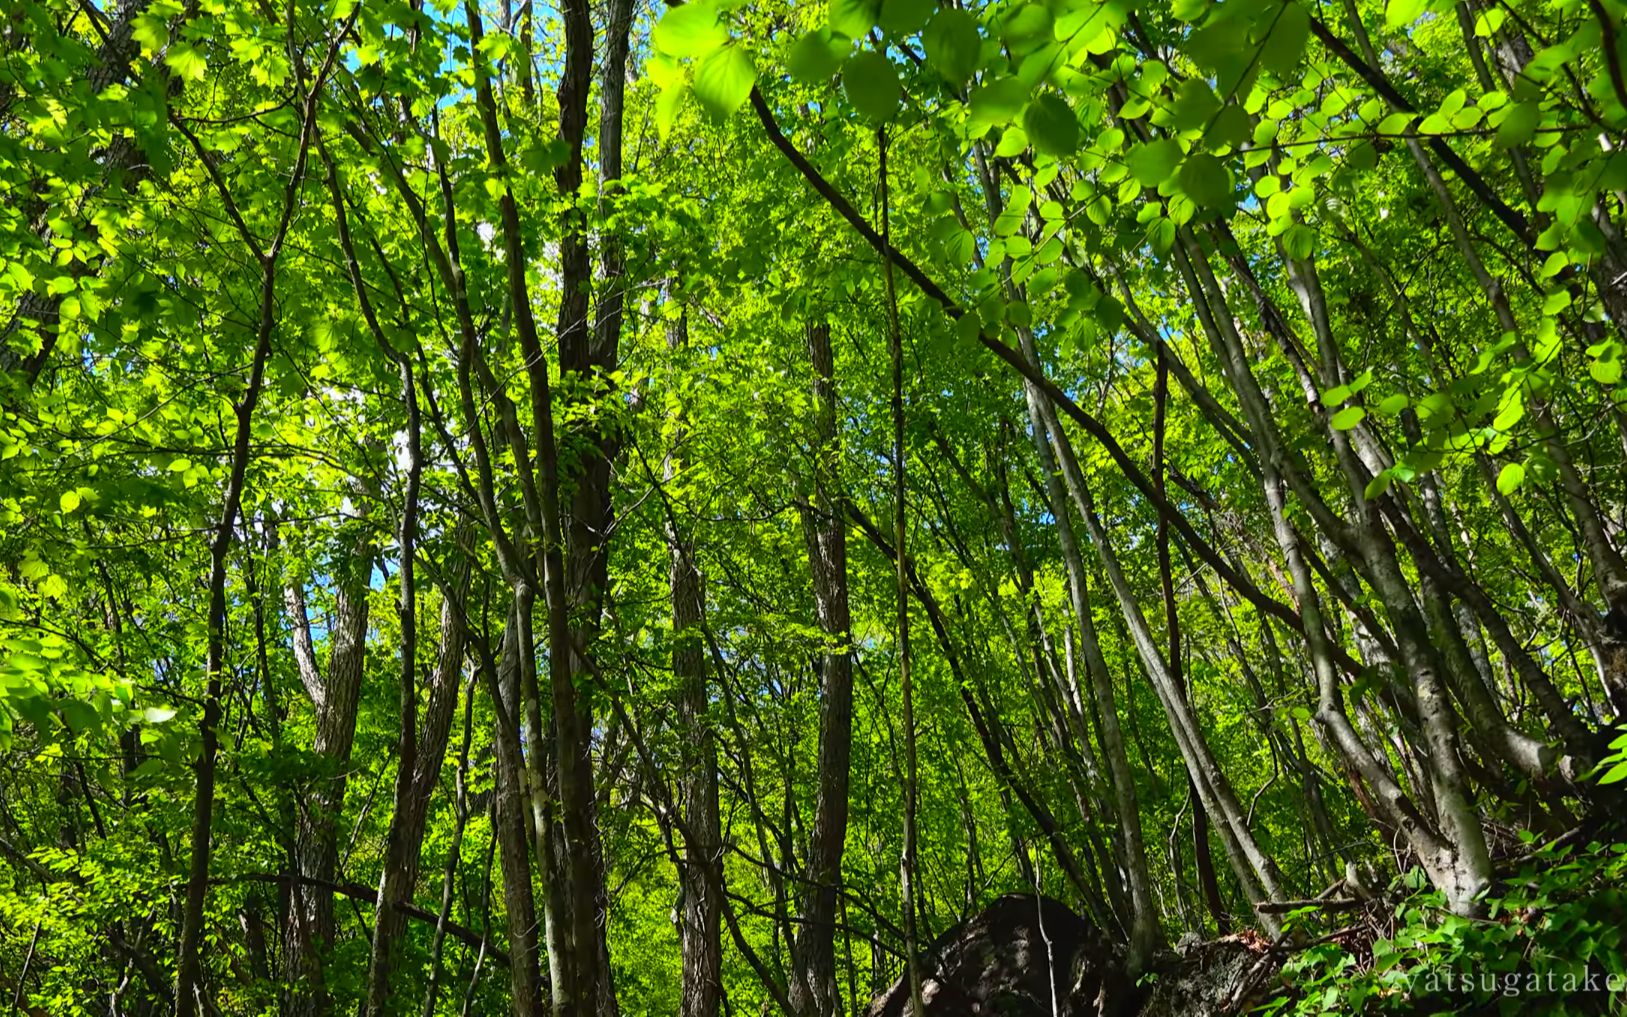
1282,52
853,18
151,31
1396,123
1230,127
1510,477
1026,25
1390,405
1402,12
1194,104
1519,124
871,85
953,45
1615,775
691,30
80,716
1347,418
157,714
905,17
1012,141
1153,162
1051,125
69,501
1206,180
998,101
813,58
723,81
1161,235
968,327
186,61
1299,241
1223,48
668,103
545,157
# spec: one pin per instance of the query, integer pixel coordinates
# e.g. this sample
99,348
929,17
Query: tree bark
416,780
308,932
813,990
700,875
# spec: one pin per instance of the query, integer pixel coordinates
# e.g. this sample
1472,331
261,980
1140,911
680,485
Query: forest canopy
672,508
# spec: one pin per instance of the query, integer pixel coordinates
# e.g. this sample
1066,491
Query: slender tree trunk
908,860
1203,858
700,872
813,991
1146,935
334,697
454,854
415,787
514,831
188,968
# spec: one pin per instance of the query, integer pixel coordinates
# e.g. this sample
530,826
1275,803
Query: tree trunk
415,786
700,874
334,696
813,991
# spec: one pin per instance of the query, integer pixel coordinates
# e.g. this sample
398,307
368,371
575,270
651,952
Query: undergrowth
1550,942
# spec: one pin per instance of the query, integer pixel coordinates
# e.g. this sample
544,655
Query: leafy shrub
1550,943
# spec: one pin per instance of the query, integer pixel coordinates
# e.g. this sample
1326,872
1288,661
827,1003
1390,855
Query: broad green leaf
814,57
1402,12
1051,125
1206,180
1510,477
854,18
1282,50
1299,241
900,18
1025,25
691,30
1153,162
69,501
668,103
1194,104
723,81
188,63
1347,418
872,85
1519,124
1605,372
998,101
151,31
1230,127
952,45
1012,142
544,157
1396,123
1390,405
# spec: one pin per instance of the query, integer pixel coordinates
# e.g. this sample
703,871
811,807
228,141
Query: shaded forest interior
848,507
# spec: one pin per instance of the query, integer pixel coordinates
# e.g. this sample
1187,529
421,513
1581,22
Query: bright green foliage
1550,944
1342,287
